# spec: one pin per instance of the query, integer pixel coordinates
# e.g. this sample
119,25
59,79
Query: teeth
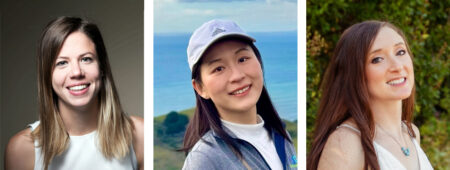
241,91
397,81
79,87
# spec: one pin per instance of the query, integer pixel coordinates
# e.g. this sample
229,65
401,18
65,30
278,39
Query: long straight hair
345,92
114,127
206,117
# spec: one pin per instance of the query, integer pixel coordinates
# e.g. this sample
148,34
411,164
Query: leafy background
426,26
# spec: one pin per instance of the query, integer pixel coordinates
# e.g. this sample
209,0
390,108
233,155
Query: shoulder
198,160
138,139
416,132
19,152
202,154
138,123
343,150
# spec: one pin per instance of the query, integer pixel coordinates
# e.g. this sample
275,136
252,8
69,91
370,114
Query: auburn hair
345,92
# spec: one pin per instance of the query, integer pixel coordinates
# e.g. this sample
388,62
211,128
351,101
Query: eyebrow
83,54
377,50
241,49
236,52
213,61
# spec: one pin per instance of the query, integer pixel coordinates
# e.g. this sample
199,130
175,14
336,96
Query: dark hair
206,116
345,92
114,126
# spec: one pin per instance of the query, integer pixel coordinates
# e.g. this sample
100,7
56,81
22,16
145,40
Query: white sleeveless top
83,154
388,161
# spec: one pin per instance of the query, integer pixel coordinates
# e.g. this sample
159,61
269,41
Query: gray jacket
218,155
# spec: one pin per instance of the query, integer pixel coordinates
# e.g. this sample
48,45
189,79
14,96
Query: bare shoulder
343,150
138,122
19,152
138,139
416,131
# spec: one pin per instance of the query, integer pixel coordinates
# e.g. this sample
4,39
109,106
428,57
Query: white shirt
83,154
258,136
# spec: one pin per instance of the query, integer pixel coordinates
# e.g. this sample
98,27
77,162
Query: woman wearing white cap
235,125
81,122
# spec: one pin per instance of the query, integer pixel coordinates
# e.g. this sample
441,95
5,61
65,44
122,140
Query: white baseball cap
209,33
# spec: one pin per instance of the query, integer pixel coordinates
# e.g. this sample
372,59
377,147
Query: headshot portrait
225,85
72,84
377,86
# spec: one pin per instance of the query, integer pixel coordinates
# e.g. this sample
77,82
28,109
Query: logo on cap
217,31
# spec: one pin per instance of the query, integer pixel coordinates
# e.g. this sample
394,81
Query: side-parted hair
206,117
345,92
114,126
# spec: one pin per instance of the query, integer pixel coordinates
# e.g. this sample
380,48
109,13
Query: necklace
405,149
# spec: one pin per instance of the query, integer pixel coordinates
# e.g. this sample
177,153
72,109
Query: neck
79,120
388,115
243,117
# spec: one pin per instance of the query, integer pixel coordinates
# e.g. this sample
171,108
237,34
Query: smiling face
389,67
231,76
76,73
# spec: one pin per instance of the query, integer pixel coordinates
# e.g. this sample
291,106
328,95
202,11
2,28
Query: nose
395,64
237,74
76,71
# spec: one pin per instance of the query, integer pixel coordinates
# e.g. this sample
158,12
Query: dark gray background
21,24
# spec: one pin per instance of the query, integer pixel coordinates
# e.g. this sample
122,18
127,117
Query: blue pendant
405,151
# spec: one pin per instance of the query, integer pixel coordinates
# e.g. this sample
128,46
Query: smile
397,81
79,87
240,91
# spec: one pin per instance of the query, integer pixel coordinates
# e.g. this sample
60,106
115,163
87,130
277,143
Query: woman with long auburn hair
235,125
81,122
365,114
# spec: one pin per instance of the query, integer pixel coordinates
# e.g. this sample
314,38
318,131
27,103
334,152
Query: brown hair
345,92
114,127
206,116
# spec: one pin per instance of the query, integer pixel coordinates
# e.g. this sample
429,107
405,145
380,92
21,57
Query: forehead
386,37
77,43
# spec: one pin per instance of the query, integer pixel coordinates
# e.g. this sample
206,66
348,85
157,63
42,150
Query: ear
199,89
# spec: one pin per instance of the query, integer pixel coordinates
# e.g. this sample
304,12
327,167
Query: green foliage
426,26
169,130
175,123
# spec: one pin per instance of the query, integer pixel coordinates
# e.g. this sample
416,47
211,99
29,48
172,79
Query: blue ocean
172,78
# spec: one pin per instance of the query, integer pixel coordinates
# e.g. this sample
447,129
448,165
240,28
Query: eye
60,63
376,60
218,69
401,53
243,59
87,59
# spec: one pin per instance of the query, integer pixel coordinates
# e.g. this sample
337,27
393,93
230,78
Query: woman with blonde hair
81,122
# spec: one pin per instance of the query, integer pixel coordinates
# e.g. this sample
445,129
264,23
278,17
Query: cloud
252,16
196,12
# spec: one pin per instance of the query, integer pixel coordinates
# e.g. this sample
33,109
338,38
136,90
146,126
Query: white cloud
208,12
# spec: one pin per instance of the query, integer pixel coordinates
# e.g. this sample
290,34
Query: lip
78,92
396,81
249,86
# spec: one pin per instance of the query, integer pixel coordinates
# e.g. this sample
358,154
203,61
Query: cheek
58,78
374,76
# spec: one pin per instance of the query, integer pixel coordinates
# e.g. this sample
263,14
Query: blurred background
273,23
426,27
21,24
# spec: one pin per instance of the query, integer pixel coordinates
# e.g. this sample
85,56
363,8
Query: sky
184,16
